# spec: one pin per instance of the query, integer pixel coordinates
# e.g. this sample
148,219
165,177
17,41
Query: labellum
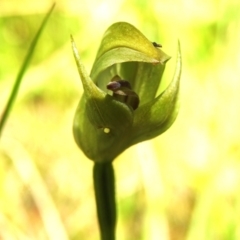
123,92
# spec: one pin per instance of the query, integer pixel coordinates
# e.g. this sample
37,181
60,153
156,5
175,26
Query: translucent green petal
126,52
155,117
122,34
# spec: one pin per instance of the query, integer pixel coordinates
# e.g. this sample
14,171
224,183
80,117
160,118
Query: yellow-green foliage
182,185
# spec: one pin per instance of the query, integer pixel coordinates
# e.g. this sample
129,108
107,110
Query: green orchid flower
119,106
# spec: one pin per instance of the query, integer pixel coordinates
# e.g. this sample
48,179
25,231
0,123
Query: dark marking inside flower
118,84
113,85
156,44
122,92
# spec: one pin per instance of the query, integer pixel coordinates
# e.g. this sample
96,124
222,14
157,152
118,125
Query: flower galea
119,106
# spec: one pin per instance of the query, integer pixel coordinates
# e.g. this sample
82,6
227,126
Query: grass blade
23,68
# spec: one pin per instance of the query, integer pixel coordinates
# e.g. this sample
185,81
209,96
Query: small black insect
122,91
156,44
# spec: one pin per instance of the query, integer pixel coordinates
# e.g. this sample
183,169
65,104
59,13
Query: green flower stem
104,186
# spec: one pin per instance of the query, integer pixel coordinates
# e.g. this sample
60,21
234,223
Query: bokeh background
183,185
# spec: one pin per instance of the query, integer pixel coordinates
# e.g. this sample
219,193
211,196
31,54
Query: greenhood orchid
119,106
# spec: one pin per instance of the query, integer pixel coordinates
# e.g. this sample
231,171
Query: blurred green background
185,184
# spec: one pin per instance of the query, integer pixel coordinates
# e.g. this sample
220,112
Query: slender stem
104,186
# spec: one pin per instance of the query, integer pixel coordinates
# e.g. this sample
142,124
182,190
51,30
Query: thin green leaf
23,68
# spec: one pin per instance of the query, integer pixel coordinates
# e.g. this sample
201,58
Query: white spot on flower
106,130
